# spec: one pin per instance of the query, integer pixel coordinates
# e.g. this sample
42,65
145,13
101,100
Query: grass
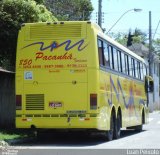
7,134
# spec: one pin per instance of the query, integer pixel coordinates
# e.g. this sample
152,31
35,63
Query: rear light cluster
93,101
18,102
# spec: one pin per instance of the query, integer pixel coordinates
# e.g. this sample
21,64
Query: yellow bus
70,75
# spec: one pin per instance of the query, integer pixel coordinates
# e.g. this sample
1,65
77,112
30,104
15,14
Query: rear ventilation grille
35,102
55,31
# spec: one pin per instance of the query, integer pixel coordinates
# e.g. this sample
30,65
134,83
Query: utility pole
150,43
150,59
100,13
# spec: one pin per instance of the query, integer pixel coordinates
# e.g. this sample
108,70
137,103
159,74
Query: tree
156,45
40,1
12,14
139,36
119,37
130,39
72,10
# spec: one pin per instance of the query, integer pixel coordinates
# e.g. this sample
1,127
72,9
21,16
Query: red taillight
93,101
18,102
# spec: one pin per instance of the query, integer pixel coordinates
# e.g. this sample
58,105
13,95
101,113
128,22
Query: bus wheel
138,128
109,133
117,127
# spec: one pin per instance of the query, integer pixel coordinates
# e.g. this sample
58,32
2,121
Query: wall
156,86
7,99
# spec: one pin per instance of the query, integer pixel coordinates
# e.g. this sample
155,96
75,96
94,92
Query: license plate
55,104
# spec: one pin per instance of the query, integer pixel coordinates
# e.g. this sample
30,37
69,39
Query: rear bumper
58,122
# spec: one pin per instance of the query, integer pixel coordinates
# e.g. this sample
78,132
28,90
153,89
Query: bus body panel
54,75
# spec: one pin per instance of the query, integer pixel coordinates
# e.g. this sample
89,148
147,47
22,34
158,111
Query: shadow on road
71,139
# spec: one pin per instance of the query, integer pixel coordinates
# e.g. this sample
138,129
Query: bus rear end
53,79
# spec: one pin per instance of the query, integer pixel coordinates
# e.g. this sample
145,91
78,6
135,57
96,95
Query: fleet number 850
25,62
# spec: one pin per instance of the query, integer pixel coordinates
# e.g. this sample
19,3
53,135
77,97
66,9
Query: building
141,50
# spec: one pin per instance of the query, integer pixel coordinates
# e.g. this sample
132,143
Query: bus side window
126,64
130,66
115,59
119,61
123,62
106,55
111,56
100,52
141,71
138,69
133,67
144,70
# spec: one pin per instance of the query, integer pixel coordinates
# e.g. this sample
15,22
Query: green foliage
119,37
128,39
10,134
139,36
72,10
12,14
4,136
156,45
40,1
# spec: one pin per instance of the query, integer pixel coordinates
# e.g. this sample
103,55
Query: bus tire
117,127
109,133
138,128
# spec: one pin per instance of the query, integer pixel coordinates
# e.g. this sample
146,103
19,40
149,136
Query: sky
114,9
